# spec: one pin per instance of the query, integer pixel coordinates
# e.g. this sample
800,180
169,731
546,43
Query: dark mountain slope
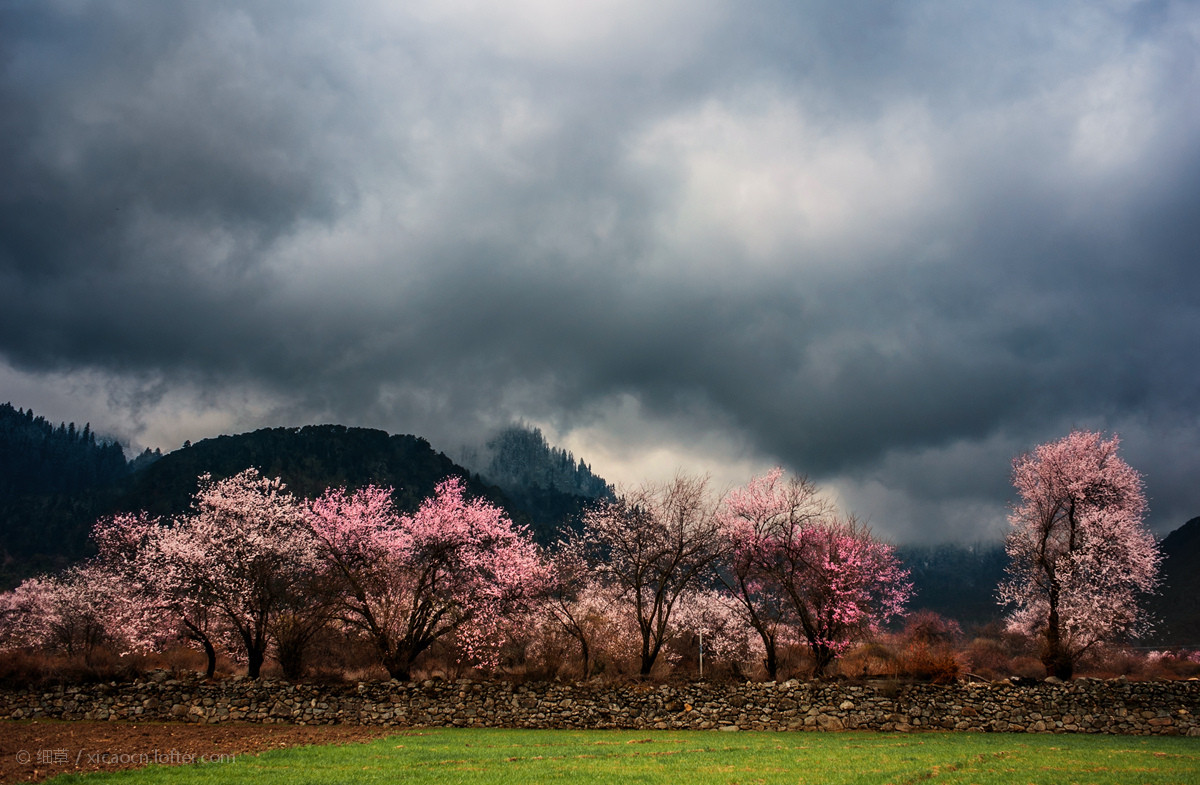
309,460
1177,606
54,482
956,581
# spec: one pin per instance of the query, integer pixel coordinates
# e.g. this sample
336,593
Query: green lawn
514,757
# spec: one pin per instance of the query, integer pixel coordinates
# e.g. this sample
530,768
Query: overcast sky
890,245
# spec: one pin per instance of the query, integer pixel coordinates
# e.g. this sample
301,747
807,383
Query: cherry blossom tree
799,571
1081,557
752,519
242,553
128,546
654,544
455,567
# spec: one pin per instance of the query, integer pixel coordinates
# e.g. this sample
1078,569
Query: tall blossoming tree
242,554
1081,557
456,567
128,548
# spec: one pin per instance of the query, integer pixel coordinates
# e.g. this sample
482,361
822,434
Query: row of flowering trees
770,566
256,572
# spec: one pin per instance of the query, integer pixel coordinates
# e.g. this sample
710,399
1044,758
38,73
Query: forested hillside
54,481
308,459
520,457
1175,606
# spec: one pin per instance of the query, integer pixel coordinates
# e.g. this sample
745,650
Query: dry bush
927,649
1027,667
35,669
1140,665
924,662
869,660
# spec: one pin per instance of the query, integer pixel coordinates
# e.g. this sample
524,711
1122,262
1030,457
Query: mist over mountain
549,483
518,457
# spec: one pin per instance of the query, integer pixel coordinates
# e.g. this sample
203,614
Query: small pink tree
752,521
77,611
798,570
1080,556
455,566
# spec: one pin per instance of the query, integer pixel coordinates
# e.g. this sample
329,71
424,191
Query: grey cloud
434,221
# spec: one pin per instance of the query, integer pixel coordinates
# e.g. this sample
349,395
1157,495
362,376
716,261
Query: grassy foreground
702,757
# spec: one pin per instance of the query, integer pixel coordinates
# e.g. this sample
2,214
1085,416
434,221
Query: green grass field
702,757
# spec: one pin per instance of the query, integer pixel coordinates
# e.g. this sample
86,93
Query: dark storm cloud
889,245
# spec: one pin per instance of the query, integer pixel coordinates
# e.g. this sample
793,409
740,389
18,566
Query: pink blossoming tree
129,549
800,571
455,567
752,519
243,554
1081,557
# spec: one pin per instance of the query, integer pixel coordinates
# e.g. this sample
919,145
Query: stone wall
1081,706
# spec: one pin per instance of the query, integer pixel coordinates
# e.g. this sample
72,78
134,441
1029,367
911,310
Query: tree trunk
197,633
584,657
399,666
291,659
398,658
649,655
771,661
822,657
210,670
255,657
1055,657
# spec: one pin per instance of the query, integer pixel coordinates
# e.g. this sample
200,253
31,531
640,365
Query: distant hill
316,457
56,481
956,581
1176,605
308,460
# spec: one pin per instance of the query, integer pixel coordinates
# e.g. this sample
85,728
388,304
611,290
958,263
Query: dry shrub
35,669
920,661
1027,667
868,660
927,649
